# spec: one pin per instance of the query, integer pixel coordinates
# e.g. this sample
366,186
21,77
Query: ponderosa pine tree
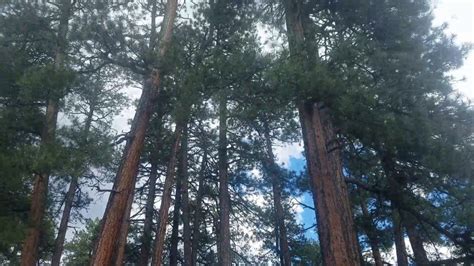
90,140
335,223
29,254
125,179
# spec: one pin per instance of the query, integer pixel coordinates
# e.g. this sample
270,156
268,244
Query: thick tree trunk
148,223
416,241
185,200
198,211
117,206
29,253
122,241
371,235
223,244
163,214
175,226
334,216
285,258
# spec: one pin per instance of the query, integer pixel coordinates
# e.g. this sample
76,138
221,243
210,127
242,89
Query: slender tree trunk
416,241
166,199
334,216
223,244
371,235
69,200
176,213
402,258
198,211
279,213
148,223
396,198
117,206
29,254
185,200
59,243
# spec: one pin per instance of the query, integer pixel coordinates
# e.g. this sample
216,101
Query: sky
459,16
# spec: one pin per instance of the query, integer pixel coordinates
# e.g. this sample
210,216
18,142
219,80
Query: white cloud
284,151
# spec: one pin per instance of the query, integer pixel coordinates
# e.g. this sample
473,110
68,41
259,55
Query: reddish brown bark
336,230
122,240
282,239
163,214
223,244
114,217
29,254
334,216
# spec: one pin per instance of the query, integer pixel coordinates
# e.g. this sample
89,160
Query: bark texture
223,244
163,214
334,216
117,206
122,241
29,253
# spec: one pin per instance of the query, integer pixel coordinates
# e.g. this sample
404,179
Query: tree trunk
69,199
122,241
223,244
148,223
371,235
185,200
68,202
395,183
416,241
166,200
285,258
29,254
198,211
402,258
105,251
176,213
334,216
336,230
